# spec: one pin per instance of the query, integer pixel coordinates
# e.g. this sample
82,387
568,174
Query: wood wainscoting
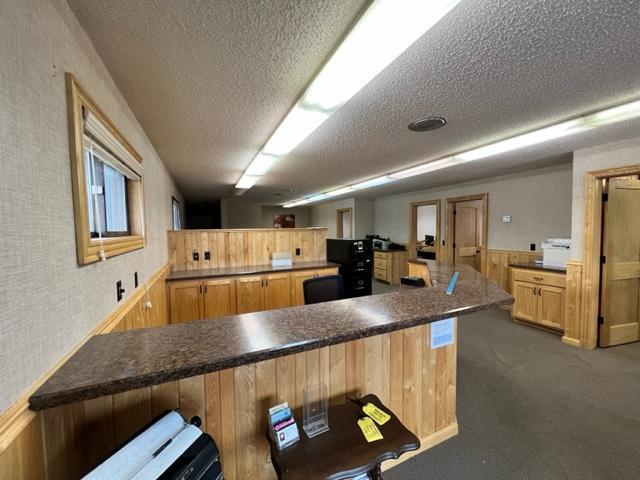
43,445
573,334
498,262
240,248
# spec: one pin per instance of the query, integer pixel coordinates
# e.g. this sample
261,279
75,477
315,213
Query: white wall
539,202
363,217
602,157
426,221
47,303
324,215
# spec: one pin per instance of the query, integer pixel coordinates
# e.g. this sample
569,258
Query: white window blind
175,210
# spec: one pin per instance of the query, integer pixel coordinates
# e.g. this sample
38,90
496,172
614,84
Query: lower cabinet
199,299
539,297
195,300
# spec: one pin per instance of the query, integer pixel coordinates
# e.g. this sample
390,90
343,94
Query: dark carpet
530,407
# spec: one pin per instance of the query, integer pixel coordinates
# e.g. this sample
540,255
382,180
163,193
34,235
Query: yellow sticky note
380,416
369,429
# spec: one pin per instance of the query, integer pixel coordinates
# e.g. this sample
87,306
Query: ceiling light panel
297,125
372,183
246,181
627,111
261,165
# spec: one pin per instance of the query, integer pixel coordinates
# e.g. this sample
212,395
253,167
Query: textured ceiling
210,81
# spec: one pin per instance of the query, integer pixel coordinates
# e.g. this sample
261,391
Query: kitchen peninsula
229,370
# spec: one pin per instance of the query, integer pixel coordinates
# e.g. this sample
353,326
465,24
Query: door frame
449,227
339,222
413,225
592,243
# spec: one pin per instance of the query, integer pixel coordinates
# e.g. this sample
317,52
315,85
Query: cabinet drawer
539,277
380,274
380,264
380,255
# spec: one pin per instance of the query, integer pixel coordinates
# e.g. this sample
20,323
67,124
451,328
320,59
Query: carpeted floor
530,407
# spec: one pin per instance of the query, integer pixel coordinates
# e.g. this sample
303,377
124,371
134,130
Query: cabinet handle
206,288
200,288
538,278
534,290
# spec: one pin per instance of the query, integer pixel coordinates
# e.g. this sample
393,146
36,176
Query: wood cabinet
539,297
216,297
298,278
389,266
195,300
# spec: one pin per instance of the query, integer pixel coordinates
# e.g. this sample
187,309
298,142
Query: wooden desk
343,452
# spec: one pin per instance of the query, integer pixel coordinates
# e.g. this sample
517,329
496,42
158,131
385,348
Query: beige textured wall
242,213
611,155
539,202
324,215
48,303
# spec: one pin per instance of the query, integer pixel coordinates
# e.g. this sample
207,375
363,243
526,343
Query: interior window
175,212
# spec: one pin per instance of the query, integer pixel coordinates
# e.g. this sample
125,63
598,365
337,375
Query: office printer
167,448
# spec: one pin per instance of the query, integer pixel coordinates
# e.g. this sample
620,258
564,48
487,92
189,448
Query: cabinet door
219,298
277,291
185,301
551,306
526,301
297,279
249,294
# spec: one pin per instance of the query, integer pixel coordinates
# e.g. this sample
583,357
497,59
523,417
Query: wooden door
277,291
466,235
219,298
297,279
526,301
186,301
621,277
249,294
551,306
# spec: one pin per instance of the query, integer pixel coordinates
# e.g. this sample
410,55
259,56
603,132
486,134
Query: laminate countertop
122,361
252,270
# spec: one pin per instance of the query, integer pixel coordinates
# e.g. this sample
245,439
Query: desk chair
323,289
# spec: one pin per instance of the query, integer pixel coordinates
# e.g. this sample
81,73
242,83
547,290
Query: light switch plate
506,219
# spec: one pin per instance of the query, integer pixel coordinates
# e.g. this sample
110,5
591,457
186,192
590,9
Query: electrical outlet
135,280
119,290
207,255
506,219
298,252
196,256
532,247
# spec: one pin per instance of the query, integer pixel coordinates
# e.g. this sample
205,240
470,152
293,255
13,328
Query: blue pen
452,283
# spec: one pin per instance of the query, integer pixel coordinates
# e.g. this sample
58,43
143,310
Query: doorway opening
619,310
424,230
344,222
466,230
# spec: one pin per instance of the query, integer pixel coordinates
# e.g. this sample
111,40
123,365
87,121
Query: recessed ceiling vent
426,124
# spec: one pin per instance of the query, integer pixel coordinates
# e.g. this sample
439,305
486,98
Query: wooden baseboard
538,326
16,418
571,341
426,443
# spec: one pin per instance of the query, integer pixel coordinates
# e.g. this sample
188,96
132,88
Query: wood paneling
64,442
498,262
238,248
573,305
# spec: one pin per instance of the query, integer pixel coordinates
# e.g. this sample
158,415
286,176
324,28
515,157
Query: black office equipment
167,448
355,258
413,281
323,289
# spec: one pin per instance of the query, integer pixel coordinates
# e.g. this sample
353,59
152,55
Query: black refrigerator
355,258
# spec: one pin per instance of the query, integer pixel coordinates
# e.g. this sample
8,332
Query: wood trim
18,416
449,227
87,250
340,223
589,296
413,226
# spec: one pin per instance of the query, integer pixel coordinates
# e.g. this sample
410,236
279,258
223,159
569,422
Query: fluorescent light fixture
386,29
304,201
532,138
260,165
339,191
317,198
425,168
372,183
247,181
627,111
296,126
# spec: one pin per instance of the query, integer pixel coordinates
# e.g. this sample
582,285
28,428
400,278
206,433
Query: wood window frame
590,295
89,249
450,227
413,226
